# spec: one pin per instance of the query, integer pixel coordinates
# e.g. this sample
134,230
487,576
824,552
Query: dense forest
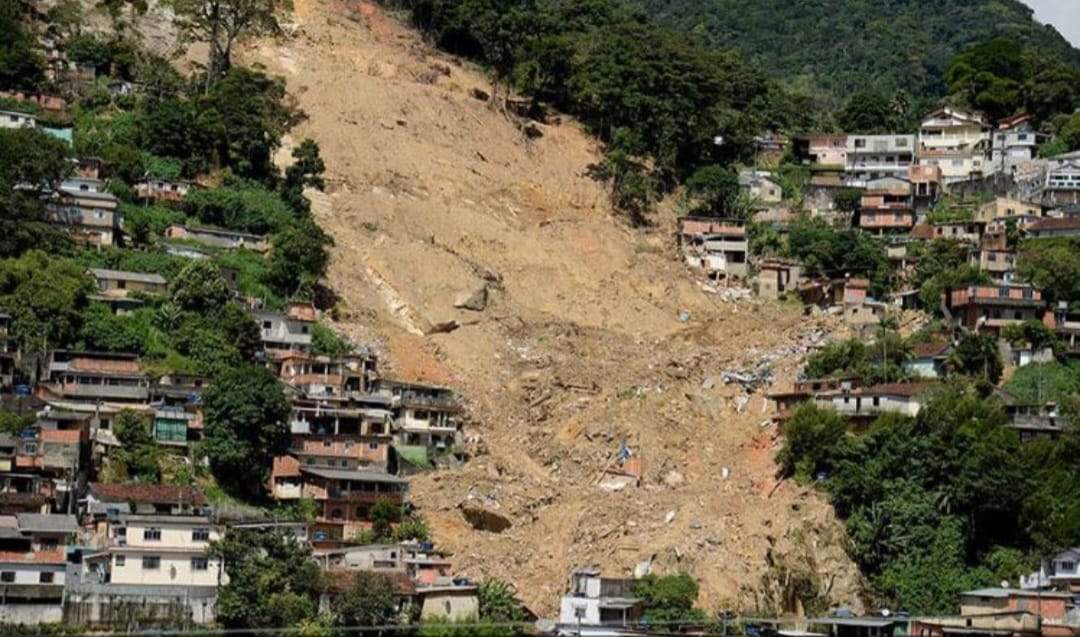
831,48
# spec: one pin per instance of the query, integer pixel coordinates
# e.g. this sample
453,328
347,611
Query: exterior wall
11,119
173,536
108,285
922,368
454,605
175,568
1004,207
111,605
862,405
30,573
359,448
30,614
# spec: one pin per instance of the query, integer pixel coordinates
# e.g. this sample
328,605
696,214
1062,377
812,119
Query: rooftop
46,523
123,275
1003,593
1063,223
358,475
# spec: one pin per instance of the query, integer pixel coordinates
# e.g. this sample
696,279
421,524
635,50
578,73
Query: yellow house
118,283
1004,207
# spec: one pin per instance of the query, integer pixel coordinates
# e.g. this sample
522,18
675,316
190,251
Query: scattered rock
480,94
532,131
695,524
670,517
708,383
483,519
440,327
673,478
476,300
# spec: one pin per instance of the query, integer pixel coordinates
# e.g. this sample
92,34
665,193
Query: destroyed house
315,376
97,376
172,190
805,390
716,245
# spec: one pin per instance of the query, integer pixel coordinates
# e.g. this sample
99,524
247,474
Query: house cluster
140,555
355,435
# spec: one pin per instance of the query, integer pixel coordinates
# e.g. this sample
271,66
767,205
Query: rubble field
617,411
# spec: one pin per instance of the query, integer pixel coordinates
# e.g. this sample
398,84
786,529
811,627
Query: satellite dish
545,626
885,612
1004,583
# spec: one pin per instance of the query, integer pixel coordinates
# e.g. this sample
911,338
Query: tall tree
371,600
225,23
31,158
246,415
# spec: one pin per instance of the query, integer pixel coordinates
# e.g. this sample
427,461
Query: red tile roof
286,467
147,493
922,231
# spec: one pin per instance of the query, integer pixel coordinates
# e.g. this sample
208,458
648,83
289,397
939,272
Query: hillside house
956,141
33,566
90,216
120,283
1054,227
95,377
9,353
156,549
288,333
999,601
341,438
594,603
1063,183
871,157
170,190
887,206
777,277
1066,325
1006,207
805,390
716,245
925,185
1015,141
177,403
965,231
763,189
991,307
999,264
929,360
866,404
56,448
1065,570
426,415
218,237
314,376
822,150
15,119
345,497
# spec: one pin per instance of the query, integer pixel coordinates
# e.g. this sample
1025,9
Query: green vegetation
370,600
138,455
273,582
837,251
247,426
834,49
670,598
942,502
1053,265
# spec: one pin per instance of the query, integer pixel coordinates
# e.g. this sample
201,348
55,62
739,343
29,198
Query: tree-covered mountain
836,47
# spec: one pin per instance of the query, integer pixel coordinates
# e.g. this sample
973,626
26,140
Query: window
877,401
304,329
336,514
266,325
151,534
200,564
344,464
121,560
200,535
1067,566
311,462
348,444
7,577
373,445
121,284
326,442
151,562
30,448
49,544
860,143
1028,293
46,577
1022,137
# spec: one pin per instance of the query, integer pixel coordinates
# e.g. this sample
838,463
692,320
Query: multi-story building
870,157
171,190
598,603
288,333
1016,141
1063,181
33,567
345,498
1007,207
956,141
999,264
176,400
992,307
88,212
425,415
866,404
887,206
95,377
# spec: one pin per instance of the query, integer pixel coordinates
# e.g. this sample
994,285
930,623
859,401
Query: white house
956,141
598,605
15,119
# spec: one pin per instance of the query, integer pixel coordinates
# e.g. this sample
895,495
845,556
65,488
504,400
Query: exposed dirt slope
432,194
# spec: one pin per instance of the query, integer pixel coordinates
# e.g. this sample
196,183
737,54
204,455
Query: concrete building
288,333
887,206
172,190
218,237
1006,207
871,157
991,307
760,187
90,216
717,246
598,605
1016,141
94,377
120,283
1054,227
777,277
33,567
16,119
956,141
868,403
999,264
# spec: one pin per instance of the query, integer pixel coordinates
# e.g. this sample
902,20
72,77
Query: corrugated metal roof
47,523
124,275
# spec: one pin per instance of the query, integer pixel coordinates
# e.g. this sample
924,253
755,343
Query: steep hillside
435,194
838,46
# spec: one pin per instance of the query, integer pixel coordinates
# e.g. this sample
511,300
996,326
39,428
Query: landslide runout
433,194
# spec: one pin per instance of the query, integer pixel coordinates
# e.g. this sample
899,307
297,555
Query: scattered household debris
624,470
